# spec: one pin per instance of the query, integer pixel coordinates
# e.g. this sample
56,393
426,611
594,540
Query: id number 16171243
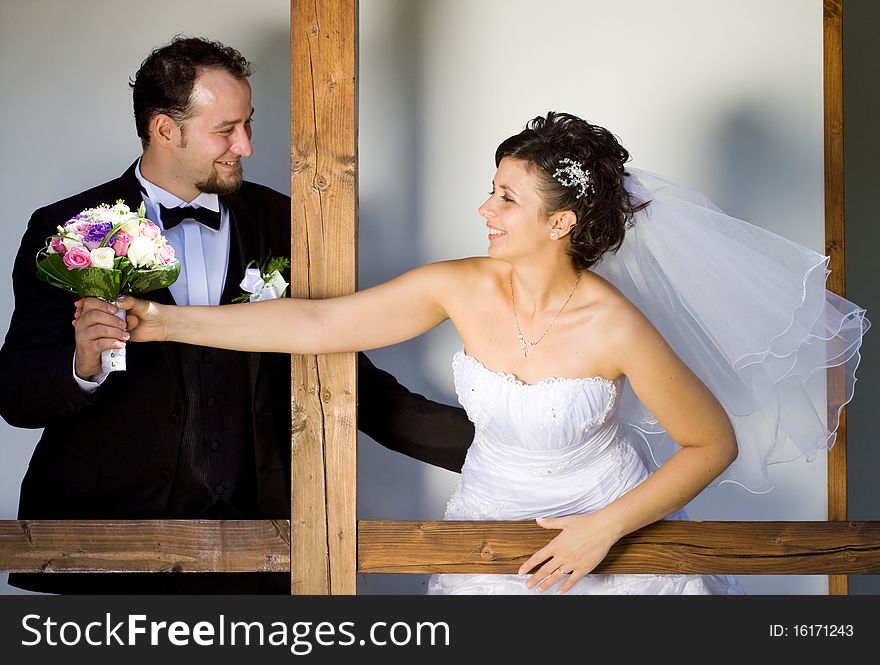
812,630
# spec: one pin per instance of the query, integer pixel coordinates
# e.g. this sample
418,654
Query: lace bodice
550,415
528,436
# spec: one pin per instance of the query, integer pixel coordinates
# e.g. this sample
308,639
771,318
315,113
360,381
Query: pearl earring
553,235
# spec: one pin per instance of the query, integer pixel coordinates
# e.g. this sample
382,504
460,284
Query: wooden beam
768,548
154,546
323,257
198,546
834,248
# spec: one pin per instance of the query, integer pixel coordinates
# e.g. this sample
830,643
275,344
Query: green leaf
51,269
105,283
144,281
98,282
279,263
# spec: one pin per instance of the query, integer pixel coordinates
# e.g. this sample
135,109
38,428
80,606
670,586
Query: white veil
748,312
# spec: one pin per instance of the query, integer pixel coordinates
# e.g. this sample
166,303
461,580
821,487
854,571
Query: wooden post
323,258
834,248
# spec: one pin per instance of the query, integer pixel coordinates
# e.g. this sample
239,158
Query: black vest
215,475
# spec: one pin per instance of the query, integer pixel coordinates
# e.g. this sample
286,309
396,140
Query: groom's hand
97,329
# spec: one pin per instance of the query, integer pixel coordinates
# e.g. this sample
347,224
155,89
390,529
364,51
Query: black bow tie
171,217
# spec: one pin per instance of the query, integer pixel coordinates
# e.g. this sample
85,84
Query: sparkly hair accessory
574,175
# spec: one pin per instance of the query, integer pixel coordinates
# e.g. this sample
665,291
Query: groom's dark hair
165,80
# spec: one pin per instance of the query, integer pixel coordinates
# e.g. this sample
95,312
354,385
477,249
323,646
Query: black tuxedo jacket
113,453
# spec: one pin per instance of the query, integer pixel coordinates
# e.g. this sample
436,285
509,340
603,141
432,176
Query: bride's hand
582,544
144,320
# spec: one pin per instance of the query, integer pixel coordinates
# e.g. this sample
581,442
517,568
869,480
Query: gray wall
861,67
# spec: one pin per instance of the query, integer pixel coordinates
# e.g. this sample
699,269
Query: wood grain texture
193,546
835,248
155,546
778,548
323,251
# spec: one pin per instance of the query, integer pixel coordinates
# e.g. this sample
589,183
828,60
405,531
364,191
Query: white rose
102,257
131,226
72,240
276,282
142,252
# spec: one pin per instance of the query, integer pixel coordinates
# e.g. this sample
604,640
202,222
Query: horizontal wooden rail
193,546
763,548
154,546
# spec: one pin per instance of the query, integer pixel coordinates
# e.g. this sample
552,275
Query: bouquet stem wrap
113,360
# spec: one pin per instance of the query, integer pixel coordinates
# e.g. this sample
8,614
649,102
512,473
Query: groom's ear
163,130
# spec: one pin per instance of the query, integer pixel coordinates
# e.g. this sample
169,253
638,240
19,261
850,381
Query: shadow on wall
392,486
271,109
754,150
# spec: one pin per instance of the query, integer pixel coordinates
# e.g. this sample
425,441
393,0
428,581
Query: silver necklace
523,342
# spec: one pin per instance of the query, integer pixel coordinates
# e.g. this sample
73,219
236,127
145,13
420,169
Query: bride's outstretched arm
692,417
392,312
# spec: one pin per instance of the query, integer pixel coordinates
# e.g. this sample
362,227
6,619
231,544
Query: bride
576,355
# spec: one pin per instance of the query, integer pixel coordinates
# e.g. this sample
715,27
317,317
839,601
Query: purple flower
96,234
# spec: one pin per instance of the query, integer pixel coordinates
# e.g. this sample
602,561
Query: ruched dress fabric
550,449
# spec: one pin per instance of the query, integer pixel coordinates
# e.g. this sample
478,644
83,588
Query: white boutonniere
264,281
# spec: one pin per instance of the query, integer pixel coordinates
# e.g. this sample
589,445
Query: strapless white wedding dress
746,310
548,450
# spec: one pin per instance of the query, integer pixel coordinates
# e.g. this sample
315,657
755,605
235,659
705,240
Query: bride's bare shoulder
475,270
476,264
458,281
615,313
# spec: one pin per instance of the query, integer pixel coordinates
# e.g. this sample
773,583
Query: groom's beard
215,184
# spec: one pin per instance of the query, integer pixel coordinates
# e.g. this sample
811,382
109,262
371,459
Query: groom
185,432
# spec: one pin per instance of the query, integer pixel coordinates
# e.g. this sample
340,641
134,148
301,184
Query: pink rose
82,227
149,230
166,254
77,257
121,244
58,246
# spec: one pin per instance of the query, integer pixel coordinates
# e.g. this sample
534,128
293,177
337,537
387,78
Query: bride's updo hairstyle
561,147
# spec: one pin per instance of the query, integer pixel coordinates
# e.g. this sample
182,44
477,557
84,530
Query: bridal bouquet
106,252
